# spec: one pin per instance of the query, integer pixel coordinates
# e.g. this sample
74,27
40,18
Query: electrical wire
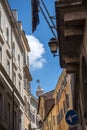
47,21
48,13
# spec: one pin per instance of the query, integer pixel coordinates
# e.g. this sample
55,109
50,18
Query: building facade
54,105
27,78
33,113
45,107
13,46
71,19
63,100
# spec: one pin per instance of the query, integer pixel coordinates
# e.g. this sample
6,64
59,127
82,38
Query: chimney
15,14
19,23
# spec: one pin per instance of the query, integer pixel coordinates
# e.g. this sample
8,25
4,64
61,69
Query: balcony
70,18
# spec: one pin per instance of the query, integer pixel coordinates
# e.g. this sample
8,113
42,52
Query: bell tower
39,90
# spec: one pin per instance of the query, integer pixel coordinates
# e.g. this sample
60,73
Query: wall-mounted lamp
53,44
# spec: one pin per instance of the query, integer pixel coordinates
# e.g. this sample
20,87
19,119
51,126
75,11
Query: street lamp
53,44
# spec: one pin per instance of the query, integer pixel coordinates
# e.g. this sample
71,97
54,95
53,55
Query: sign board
71,117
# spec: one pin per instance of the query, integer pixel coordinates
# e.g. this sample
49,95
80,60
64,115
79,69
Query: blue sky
43,65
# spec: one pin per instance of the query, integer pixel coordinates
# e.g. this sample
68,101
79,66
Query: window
50,126
65,81
8,67
25,83
20,124
13,49
47,121
67,101
24,58
14,78
19,59
64,106
0,54
54,120
33,118
19,87
28,61
9,114
59,116
36,121
7,34
15,120
0,105
58,96
25,100
27,108
29,87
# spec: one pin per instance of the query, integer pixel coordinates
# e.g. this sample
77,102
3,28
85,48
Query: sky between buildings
43,65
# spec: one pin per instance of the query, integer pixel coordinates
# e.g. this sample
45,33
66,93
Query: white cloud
36,55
